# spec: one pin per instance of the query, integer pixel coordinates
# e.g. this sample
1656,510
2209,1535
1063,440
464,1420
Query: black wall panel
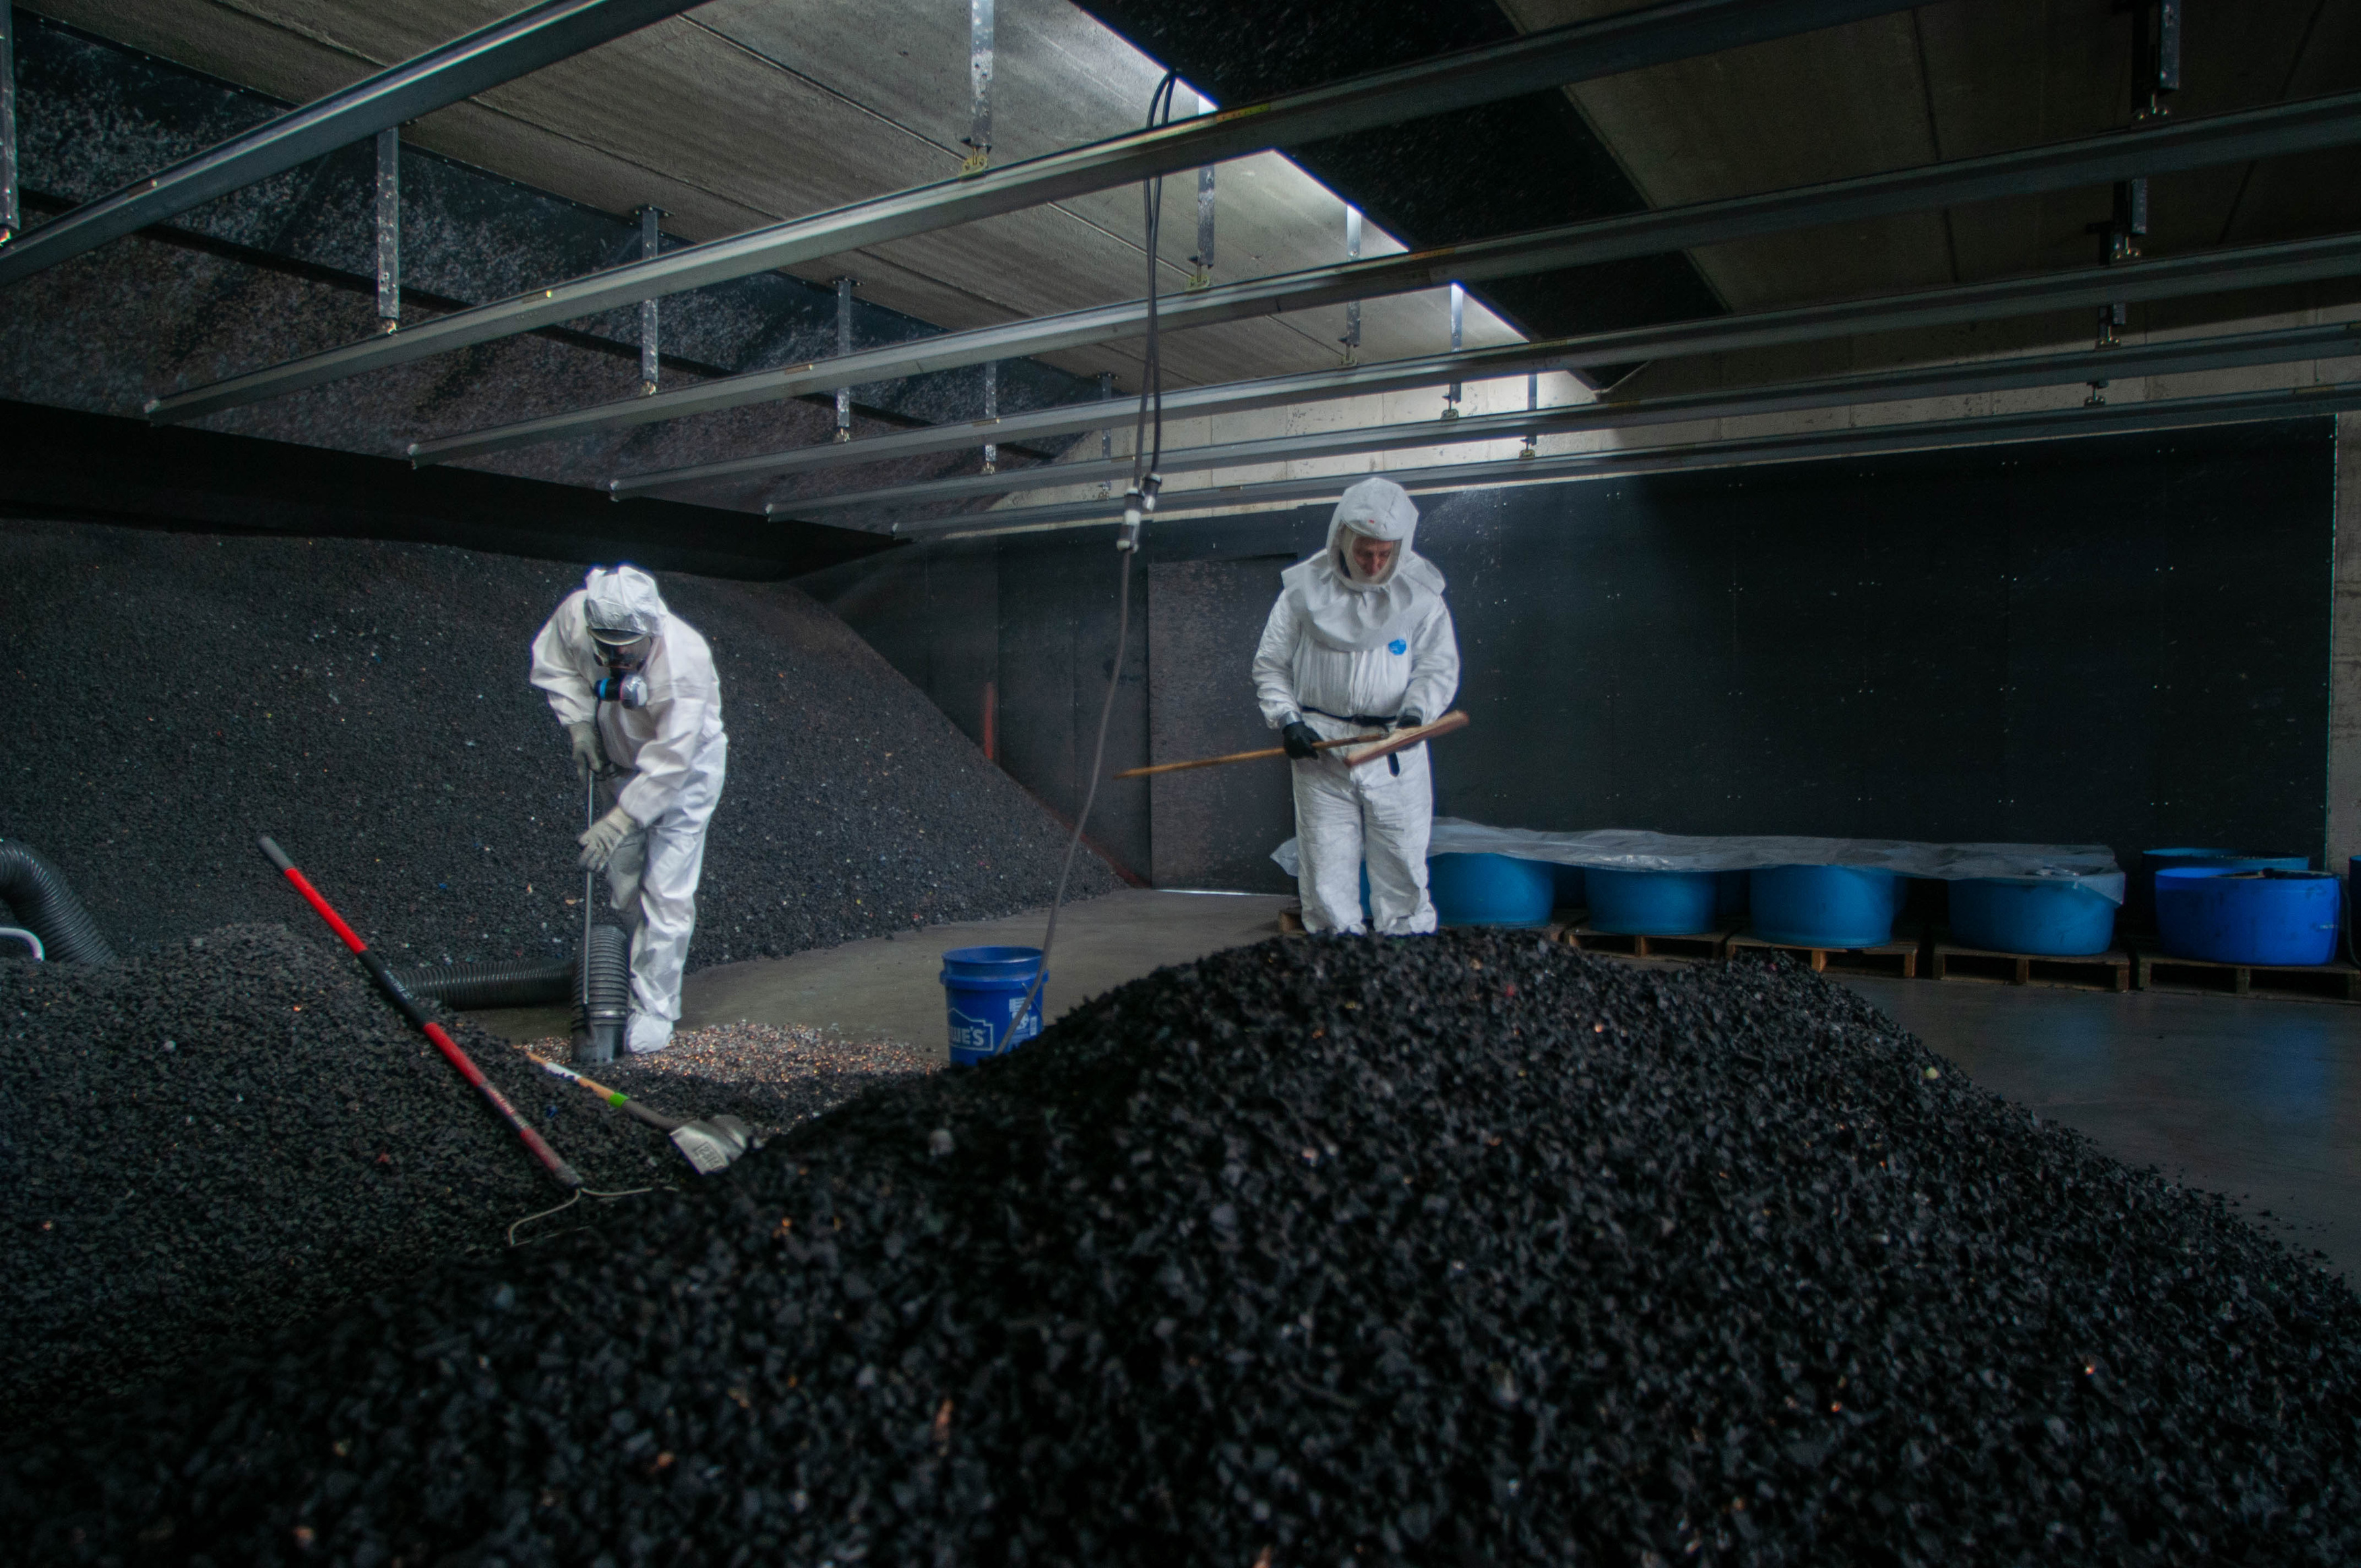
2122,640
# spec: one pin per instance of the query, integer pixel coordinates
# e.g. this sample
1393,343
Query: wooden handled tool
1373,747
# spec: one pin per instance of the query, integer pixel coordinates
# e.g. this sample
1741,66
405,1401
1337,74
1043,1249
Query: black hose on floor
520,982
46,906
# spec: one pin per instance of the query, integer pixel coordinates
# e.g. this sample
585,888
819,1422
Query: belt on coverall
1393,763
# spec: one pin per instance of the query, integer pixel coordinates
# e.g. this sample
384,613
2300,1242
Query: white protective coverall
1347,655
677,752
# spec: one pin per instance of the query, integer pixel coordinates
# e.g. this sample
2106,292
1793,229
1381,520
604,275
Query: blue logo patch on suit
1397,645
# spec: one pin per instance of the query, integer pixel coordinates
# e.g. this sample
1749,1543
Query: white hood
622,600
1349,612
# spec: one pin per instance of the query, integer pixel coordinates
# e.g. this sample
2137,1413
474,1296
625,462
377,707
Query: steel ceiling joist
2050,424
1676,29
523,43
2244,267
2276,130
2340,340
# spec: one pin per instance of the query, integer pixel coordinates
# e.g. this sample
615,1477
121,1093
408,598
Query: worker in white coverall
1360,641
663,722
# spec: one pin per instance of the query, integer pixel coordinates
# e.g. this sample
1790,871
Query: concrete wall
2343,762
2119,640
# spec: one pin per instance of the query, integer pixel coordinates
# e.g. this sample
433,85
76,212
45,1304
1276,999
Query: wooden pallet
1709,946
1898,958
2110,970
2338,982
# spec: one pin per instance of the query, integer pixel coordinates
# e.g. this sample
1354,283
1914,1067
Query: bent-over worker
663,723
1360,640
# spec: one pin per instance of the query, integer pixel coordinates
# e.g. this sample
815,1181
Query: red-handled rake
417,1015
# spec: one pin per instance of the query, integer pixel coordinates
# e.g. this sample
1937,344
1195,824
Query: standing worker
660,719
1360,639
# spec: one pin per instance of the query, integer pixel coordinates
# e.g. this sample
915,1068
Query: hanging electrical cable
1138,505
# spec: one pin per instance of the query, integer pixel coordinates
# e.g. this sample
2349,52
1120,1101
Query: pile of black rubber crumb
367,702
224,1136
1470,1249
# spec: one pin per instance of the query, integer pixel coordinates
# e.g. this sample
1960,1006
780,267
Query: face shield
625,654
1366,561
621,650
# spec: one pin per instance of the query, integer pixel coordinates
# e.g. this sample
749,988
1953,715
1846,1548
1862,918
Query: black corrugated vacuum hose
520,982
46,906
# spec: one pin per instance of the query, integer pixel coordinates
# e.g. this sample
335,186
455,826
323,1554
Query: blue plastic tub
1490,890
2139,889
1824,906
2232,916
985,987
1651,904
1571,891
2053,919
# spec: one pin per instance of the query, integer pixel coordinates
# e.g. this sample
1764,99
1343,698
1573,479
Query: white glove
600,841
587,756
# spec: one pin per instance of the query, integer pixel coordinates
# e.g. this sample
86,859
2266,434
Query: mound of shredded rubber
366,703
224,1136
1467,1249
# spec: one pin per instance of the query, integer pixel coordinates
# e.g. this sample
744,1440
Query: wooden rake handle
1374,747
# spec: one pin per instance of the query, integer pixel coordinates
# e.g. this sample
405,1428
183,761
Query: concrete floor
2256,1097
889,987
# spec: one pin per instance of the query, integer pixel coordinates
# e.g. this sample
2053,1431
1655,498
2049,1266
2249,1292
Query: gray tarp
1636,850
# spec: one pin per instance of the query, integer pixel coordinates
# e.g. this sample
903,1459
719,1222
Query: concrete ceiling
744,112
1954,81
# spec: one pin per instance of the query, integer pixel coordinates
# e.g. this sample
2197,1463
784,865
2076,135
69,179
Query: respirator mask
625,654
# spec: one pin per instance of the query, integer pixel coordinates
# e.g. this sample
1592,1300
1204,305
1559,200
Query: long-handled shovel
708,1144
411,1010
1373,747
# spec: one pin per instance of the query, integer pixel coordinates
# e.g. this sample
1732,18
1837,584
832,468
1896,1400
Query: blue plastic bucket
2232,916
1571,891
1824,906
1490,890
985,987
1651,904
2053,919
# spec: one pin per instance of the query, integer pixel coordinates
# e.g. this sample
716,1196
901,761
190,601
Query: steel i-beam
1983,430
1202,276
388,228
978,140
2293,261
2224,139
2018,372
486,58
1675,29
843,348
651,344
11,217
1352,338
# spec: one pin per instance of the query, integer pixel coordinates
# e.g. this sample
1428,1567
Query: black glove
1300,739
1408,719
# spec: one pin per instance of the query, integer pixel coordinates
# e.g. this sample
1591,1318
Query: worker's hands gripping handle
589,755
1300,739
603,836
